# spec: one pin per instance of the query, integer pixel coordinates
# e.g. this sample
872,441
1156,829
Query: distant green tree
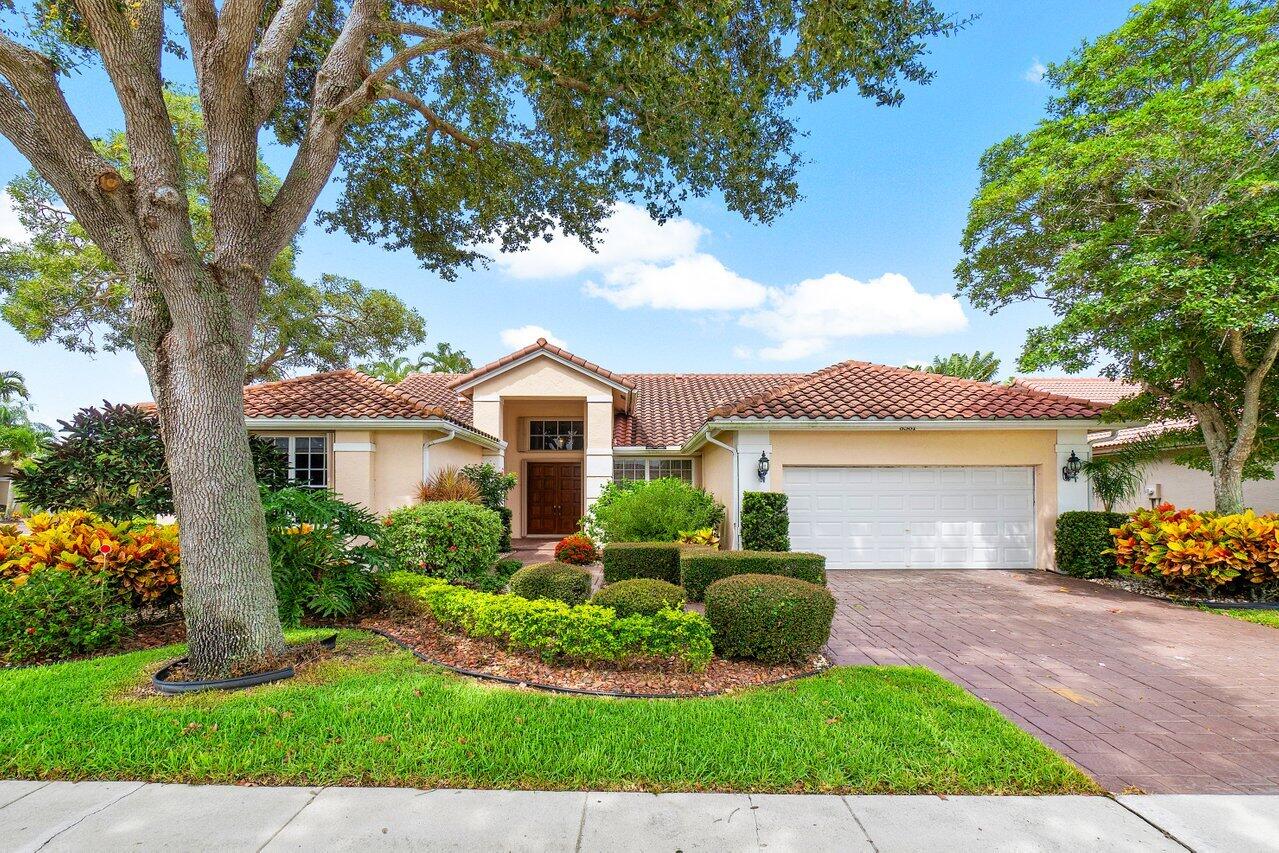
981,366
1144,212
12,386
443,359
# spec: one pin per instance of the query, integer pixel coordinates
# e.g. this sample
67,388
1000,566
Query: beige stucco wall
541,377
716,468
1186,487
1035,448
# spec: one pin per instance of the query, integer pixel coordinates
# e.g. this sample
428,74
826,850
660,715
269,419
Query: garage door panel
902,517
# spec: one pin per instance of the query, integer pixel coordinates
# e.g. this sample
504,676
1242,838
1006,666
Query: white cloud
631,236
804,318
698,282
524,335
1035,73
10,227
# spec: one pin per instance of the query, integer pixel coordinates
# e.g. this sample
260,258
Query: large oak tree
1145,212
456,124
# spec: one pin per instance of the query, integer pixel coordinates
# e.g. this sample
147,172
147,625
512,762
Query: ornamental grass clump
1204,553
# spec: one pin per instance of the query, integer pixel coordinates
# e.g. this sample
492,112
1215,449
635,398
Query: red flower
104,549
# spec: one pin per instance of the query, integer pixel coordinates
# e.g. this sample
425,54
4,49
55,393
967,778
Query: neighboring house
1166,481
885,467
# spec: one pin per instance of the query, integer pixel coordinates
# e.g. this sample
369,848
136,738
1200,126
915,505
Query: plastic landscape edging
577,691
174,688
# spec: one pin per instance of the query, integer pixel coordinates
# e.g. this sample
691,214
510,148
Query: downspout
426,452
737,494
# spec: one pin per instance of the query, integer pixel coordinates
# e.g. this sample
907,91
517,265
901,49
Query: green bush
769,618
453,540
323,553
765,522
493,485
496,578
656,511
626,560
699,569
555,630
504,543
50,614
644,596
556,581
1082,538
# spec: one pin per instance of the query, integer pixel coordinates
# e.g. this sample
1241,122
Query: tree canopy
59,286
981,366
1144,211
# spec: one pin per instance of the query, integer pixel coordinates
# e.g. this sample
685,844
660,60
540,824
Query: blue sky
860,268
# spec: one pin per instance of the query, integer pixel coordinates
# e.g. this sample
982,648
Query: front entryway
553,497
961,517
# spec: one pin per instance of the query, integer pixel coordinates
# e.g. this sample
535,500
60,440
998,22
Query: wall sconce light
762,467
1070,471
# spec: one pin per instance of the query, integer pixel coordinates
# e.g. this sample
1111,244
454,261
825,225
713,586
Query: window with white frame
632,468
307,457
555,435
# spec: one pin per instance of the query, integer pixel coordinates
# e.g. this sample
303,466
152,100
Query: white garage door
914,518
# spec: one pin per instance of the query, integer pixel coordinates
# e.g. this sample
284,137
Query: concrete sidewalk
106,816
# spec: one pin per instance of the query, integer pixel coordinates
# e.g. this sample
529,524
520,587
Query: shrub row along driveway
1139,693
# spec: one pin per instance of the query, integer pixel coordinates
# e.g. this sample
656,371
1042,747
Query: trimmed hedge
1083,538
645,596
698,570
765,521
554,629
556,581
626,560
769,618
455,540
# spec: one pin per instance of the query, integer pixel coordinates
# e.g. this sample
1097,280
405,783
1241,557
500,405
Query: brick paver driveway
1139,693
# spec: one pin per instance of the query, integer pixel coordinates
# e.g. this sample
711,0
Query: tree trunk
197,374
1227,486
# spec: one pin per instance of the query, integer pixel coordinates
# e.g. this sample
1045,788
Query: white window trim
649,460
329,449
527,437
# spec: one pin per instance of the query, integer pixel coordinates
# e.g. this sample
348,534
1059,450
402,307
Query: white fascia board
888,424
541,353
375,424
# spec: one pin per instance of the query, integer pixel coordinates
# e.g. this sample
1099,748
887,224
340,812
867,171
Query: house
6,490
1166,481
885,467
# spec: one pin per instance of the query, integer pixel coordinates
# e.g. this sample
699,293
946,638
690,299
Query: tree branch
266,79
1235,339
433,119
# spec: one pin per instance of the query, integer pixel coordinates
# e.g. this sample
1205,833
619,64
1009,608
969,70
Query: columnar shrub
50,614
1085,546
557,581
626,560
765,521
699,569
139,556
555,630
494,485
454,540
1202,553
769,618
644,596
577,550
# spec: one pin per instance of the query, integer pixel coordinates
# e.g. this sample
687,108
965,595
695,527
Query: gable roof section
461,383
343,394
858,390
1098,389
433,390
670,407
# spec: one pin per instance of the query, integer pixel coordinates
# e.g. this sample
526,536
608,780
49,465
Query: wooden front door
554,497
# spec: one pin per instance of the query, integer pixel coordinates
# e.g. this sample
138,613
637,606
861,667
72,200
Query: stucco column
1072,494
353,467
750,444
599,445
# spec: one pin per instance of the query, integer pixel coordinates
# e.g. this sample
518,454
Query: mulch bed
655,678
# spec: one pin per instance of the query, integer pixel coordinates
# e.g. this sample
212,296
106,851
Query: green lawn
383,718
1261,617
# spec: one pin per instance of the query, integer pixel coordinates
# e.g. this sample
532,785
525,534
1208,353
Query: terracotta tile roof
1121,437
670,407
340,394
541,344
433,389
1099,389
858,390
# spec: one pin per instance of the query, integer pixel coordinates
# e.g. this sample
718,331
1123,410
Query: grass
1261,617
380,717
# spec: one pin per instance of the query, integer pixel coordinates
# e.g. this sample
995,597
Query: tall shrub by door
765,522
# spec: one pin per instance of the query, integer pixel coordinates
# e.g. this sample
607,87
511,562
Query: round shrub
643,596
454,540
770,618
558,581
51,614
576,550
